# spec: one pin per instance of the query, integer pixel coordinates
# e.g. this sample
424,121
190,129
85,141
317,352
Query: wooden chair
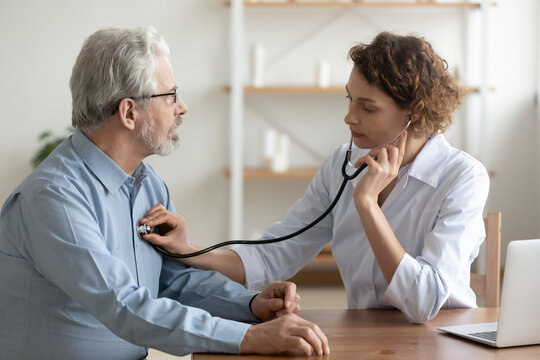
488,284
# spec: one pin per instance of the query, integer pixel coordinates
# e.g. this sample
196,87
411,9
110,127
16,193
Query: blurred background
293,62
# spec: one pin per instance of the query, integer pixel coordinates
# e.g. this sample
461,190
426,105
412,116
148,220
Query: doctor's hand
288,332
277,299
172,234
383,166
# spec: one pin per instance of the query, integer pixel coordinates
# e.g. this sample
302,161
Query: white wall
512,124
39,43
40,40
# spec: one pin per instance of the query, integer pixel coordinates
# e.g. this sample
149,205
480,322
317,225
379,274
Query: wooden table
386,334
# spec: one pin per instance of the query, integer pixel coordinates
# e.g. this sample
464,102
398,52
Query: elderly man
77,282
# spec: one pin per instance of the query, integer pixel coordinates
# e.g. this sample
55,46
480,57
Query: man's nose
180,107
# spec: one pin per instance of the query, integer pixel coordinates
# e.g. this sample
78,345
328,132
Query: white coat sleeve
421,285
280,261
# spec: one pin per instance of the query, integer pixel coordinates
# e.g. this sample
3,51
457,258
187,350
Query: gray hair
113,64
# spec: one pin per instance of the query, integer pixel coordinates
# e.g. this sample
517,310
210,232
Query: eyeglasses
173,94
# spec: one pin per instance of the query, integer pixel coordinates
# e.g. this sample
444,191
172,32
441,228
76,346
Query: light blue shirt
435,211
77,282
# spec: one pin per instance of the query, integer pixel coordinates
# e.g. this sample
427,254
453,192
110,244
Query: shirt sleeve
421,286
65,245
280,261
208,290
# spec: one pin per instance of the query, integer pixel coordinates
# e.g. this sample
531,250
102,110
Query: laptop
519,314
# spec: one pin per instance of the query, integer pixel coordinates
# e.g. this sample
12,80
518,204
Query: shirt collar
431,160
103,167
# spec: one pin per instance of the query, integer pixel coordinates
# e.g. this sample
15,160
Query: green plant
49,144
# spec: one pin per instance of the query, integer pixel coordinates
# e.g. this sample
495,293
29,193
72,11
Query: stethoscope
145,229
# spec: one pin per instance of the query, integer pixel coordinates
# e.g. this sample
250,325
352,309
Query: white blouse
435,211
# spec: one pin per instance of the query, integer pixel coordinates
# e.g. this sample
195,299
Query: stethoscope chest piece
143,229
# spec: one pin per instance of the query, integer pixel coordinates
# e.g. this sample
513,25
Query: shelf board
291,89
306,174
367,4
261,173
476,89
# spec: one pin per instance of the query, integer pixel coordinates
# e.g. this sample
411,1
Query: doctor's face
374,118
158,130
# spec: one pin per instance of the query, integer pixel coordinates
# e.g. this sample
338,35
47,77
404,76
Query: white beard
156,145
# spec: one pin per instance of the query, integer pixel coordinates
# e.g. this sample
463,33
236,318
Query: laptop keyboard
488,335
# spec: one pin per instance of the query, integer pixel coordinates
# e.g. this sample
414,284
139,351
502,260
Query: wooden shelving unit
307,89
322,269
292,89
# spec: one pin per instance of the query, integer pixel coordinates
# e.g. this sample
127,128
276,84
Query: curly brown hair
413,75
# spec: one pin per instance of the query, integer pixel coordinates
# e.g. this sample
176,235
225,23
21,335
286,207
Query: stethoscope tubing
346,178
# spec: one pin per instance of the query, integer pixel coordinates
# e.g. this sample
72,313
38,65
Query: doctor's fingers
376,160
157,239
396,152
175,242
153,212
394,158
389,159
402,142
367,159
155,209
164,217
377,156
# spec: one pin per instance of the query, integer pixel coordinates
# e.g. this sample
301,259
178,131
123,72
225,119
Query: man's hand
172,230
288,332
277,299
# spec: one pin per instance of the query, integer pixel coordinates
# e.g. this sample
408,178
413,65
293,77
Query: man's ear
129,112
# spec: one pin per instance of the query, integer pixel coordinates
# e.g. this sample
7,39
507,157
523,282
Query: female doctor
407,229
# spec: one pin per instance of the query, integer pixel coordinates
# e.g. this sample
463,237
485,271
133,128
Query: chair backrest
488,284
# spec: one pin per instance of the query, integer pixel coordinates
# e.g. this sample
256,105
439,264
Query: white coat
435,211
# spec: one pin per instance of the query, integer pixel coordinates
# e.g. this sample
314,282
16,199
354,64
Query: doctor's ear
411,117
128,112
